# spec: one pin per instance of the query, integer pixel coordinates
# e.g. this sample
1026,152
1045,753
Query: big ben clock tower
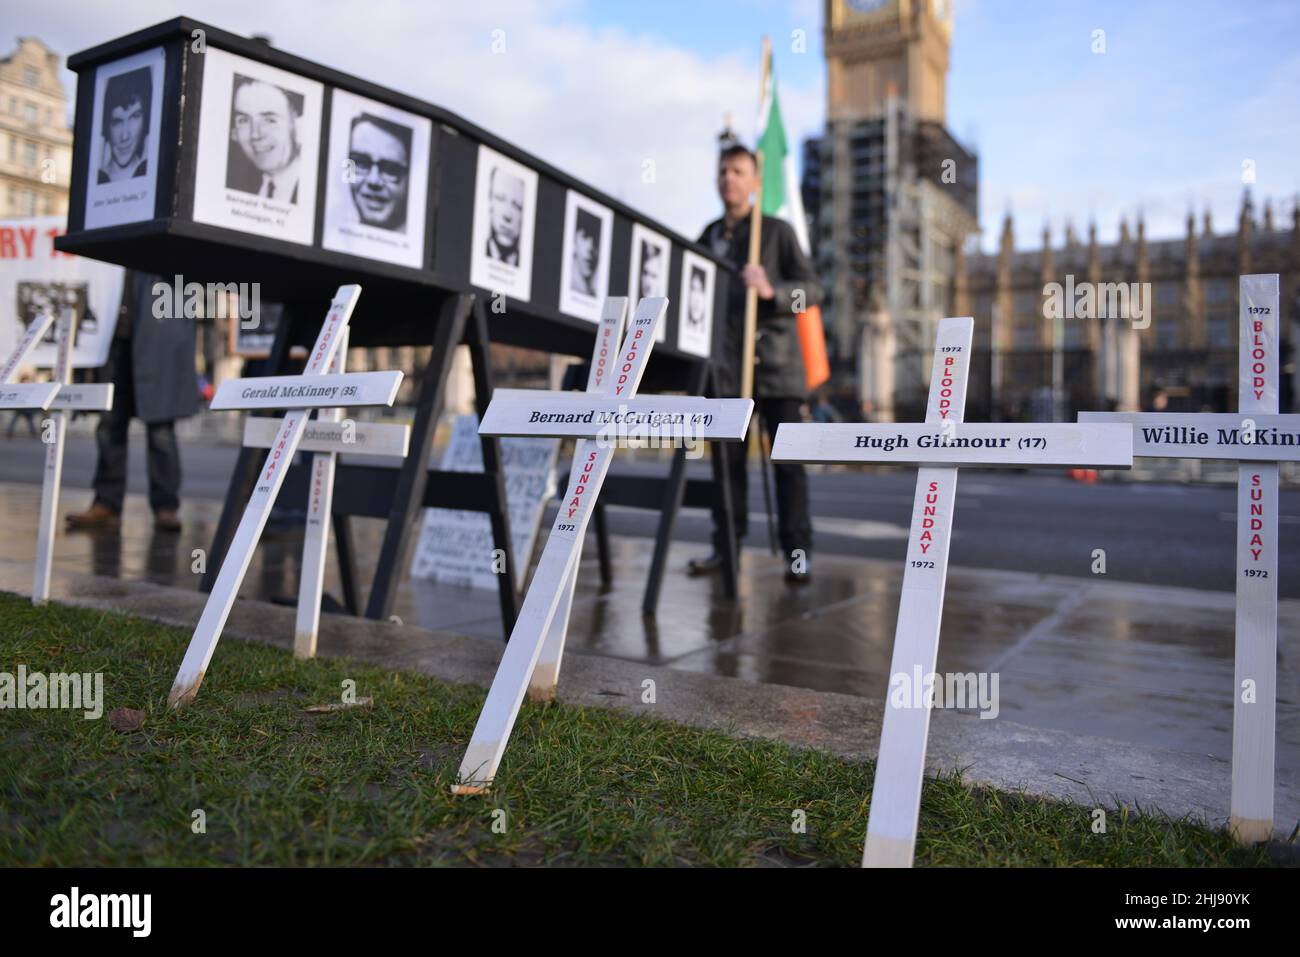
874,47
892,195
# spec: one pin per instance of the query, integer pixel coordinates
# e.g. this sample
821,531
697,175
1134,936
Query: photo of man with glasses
379,169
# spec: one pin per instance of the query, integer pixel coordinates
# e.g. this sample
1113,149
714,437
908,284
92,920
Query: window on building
1218,292
32,76
1166,327
29,155
1029,305
1075,332
1217,333
49,205
29,111
1169,294
27,206
13,149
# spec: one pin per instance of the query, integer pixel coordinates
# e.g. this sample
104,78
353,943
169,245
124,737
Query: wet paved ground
1146,664
1158,533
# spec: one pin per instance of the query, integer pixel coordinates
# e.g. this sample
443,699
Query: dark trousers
164,456
794,525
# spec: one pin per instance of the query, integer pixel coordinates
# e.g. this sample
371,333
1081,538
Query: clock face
867,6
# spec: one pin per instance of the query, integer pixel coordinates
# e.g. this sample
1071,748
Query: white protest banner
36,278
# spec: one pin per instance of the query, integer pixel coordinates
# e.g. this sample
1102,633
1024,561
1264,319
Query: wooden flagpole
755,443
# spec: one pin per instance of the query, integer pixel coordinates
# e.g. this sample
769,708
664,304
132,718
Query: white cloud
596,103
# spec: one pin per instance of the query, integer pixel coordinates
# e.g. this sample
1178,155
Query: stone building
891,197
1171,340
35,139
892,202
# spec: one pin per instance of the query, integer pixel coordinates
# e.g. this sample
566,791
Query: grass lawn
278,785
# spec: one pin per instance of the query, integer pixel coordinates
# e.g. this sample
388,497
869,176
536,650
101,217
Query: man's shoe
705,566
803,577
166,520
97,516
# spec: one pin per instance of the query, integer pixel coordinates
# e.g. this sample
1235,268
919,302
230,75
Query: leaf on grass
126,719
340,706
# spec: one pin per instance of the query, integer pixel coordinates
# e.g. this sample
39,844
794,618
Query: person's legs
794,524
738,473
164,467
110,435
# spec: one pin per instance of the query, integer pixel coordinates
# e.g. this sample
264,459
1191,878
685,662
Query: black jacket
778,370
162,353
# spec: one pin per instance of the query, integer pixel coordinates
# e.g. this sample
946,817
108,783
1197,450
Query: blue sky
1161,122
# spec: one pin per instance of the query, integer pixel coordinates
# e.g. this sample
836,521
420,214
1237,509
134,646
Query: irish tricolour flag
780,184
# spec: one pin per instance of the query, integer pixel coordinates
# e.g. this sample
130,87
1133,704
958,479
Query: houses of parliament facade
894,233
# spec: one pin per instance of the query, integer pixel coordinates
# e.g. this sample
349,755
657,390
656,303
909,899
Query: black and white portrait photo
584,266
259,148
695,313
378,178
505,196
124,142
264,156
124,125
584,249
648,270
505,209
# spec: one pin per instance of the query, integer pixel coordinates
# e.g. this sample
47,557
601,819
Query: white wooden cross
313,389
546,674
61,396
1259,438
327,436
602,420
938,447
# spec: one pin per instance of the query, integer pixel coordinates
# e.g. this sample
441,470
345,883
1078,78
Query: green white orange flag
780,184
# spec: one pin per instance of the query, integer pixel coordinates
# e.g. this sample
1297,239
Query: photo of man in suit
506,216
124,126
264,154
379,152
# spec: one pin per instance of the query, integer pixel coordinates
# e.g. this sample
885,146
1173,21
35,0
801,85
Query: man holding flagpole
785,283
